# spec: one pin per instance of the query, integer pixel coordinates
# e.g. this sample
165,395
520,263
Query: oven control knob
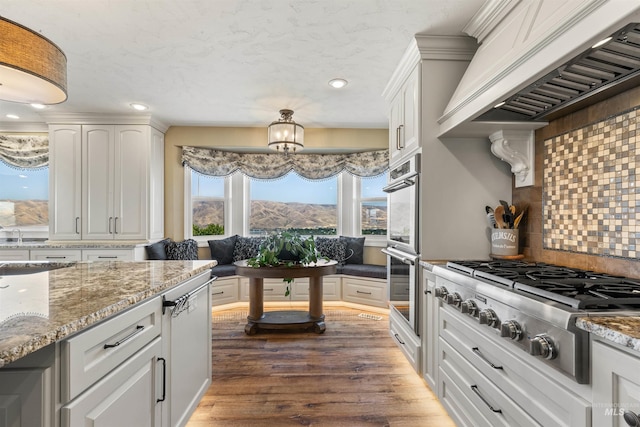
542,345
469,307
454,299
441,292
511,329
631,418
488,317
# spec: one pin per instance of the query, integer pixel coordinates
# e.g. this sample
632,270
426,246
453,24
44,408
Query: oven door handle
399,185
404,260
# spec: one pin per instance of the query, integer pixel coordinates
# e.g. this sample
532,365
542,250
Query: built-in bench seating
348,251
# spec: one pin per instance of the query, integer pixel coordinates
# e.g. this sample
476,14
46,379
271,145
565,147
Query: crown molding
488,17
104,119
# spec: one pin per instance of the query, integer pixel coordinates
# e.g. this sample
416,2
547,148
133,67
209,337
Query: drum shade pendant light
32,68
286,135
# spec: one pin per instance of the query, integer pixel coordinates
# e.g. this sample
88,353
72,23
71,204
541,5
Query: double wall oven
403,248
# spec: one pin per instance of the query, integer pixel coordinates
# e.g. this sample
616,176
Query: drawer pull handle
139,329
164,379
361,292
476,350
476,391
56,257
218,293
269,289
398,338
77,229
107,257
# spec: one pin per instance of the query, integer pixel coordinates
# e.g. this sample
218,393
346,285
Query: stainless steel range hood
603,71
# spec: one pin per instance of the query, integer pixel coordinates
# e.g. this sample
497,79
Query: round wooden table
288,319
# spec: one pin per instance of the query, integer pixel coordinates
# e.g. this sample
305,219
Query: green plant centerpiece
285,248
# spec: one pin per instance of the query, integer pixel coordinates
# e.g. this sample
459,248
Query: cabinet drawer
14,254
273,289
548,401
56,254
224,291
107,255
485,397
84,358
364,291
405,338
330,289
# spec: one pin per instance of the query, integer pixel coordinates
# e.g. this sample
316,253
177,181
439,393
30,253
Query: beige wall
241,138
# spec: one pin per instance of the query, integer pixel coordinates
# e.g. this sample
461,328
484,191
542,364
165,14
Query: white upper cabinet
403,119
65,179
117,181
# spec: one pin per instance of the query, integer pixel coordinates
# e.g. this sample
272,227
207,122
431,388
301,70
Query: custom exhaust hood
597,73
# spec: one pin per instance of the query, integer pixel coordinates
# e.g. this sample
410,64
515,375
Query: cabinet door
125,397
23,397
429,334
65,178
156,186
395,128
410,100
97,177
131,169
616,385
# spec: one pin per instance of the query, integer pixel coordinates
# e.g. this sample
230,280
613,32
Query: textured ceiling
233,62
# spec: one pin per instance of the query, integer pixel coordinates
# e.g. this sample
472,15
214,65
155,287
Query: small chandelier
286,135
32,68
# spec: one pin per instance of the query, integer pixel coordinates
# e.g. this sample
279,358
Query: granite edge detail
608,329
57,334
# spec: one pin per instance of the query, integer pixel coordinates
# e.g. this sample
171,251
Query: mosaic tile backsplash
590,188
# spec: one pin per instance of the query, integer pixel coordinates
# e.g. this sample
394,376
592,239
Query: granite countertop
623,330
72,244
38,309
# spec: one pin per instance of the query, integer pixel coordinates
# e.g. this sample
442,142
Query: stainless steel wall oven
403,247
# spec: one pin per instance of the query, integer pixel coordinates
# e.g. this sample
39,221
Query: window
24,199
292,202
373,206
207,205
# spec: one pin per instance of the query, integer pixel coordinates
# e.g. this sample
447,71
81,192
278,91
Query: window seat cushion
364,270
224,270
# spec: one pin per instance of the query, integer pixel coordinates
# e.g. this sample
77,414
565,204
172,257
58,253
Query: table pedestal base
287,319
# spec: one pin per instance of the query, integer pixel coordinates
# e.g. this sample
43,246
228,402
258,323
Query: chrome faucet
19,235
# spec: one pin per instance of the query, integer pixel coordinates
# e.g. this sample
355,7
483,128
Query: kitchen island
94,332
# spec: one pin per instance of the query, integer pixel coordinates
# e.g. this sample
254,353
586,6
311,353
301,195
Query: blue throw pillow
222,249
157,251
355,249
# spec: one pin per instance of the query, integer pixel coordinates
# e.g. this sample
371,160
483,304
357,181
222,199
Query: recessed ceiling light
139,107
38,106
601,42
338,83
13,116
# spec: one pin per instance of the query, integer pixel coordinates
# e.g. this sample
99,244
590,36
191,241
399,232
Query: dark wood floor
352,375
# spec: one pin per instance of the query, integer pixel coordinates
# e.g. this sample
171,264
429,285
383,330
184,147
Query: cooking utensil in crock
498,213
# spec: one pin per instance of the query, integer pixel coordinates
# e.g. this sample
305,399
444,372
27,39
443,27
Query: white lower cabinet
127,396
405,338
616,386
14,255
429,330
364,291
224,291
23,400
60,255
330,289
107,255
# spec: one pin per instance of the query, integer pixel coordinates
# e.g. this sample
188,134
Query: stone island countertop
72,244
41,308
623,330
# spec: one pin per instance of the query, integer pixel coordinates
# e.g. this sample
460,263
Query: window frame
372,239
39,232
188,209
238,202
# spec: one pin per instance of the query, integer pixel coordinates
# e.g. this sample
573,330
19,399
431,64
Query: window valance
270,166
25,151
